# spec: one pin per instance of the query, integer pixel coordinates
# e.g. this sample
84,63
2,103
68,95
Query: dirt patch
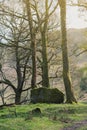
76,125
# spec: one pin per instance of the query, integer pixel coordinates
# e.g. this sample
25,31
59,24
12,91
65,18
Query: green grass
53,117
83,128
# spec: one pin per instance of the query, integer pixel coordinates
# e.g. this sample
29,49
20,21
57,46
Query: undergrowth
52,116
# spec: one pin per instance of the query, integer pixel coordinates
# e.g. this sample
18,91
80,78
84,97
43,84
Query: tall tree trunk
45,75
33,43
18,90
66,74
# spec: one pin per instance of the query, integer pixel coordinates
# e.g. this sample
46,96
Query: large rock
46,95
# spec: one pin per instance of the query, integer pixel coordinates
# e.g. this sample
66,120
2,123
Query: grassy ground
52,117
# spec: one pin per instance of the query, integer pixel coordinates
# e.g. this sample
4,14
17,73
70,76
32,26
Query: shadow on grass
45,113
19,115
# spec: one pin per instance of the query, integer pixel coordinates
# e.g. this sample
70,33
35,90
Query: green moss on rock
47,95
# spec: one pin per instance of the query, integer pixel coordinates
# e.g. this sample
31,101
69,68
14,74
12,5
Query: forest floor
77,126
52,117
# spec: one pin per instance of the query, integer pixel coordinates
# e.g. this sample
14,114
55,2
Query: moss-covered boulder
46,95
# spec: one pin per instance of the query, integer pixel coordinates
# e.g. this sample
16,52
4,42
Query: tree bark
33,43
70,98
18,97
19,77
45,75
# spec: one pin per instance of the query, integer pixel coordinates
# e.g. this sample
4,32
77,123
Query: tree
66,74
33,42
43,22
80,3
16,42
45,76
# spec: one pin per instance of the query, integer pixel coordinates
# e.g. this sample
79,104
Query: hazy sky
76,19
